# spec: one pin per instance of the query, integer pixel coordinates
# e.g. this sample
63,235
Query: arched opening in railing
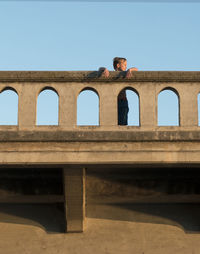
47,107
128,107
168,107
8,106
88,107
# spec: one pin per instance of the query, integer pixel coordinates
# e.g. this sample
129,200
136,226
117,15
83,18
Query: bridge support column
74,192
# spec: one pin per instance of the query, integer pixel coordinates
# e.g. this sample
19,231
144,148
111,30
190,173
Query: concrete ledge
93,76
30,199
98,136
162,199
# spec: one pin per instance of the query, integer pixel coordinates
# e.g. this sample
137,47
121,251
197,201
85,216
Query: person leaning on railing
120,64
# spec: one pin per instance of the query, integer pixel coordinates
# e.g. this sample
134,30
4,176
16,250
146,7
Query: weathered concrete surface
68,86
87,76
99,152
22,235
95,135
74,192
69,145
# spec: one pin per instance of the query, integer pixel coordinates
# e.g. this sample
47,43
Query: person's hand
129,72
104,72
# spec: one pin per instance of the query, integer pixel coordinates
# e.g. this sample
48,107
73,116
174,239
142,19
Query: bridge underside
85,190
89,168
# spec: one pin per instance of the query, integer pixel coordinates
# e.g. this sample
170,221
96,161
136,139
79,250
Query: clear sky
65,35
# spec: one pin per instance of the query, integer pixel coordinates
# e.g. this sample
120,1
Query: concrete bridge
79,151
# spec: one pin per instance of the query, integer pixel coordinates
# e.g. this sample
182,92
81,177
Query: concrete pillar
108,106
74,192
27,106
148,106
67,107
188,106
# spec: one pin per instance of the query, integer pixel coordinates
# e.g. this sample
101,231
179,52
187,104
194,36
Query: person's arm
129,72
103,72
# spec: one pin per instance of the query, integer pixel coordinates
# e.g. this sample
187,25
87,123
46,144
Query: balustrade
68,86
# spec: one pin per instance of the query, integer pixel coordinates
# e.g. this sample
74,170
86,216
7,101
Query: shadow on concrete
185,216
117,193
31,183
49,217
144,180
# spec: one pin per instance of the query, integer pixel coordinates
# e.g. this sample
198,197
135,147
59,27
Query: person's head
119,63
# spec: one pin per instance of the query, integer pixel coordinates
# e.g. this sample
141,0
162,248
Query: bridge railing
68,85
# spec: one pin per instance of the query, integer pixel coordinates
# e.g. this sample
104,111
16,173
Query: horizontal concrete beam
93,76
140,199
32,199
98,136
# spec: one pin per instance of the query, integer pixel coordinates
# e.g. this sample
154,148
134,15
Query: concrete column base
74,192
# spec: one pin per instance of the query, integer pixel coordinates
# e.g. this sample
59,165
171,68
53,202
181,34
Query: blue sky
64,35
51,35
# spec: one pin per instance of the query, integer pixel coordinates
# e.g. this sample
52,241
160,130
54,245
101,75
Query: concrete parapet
68,85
